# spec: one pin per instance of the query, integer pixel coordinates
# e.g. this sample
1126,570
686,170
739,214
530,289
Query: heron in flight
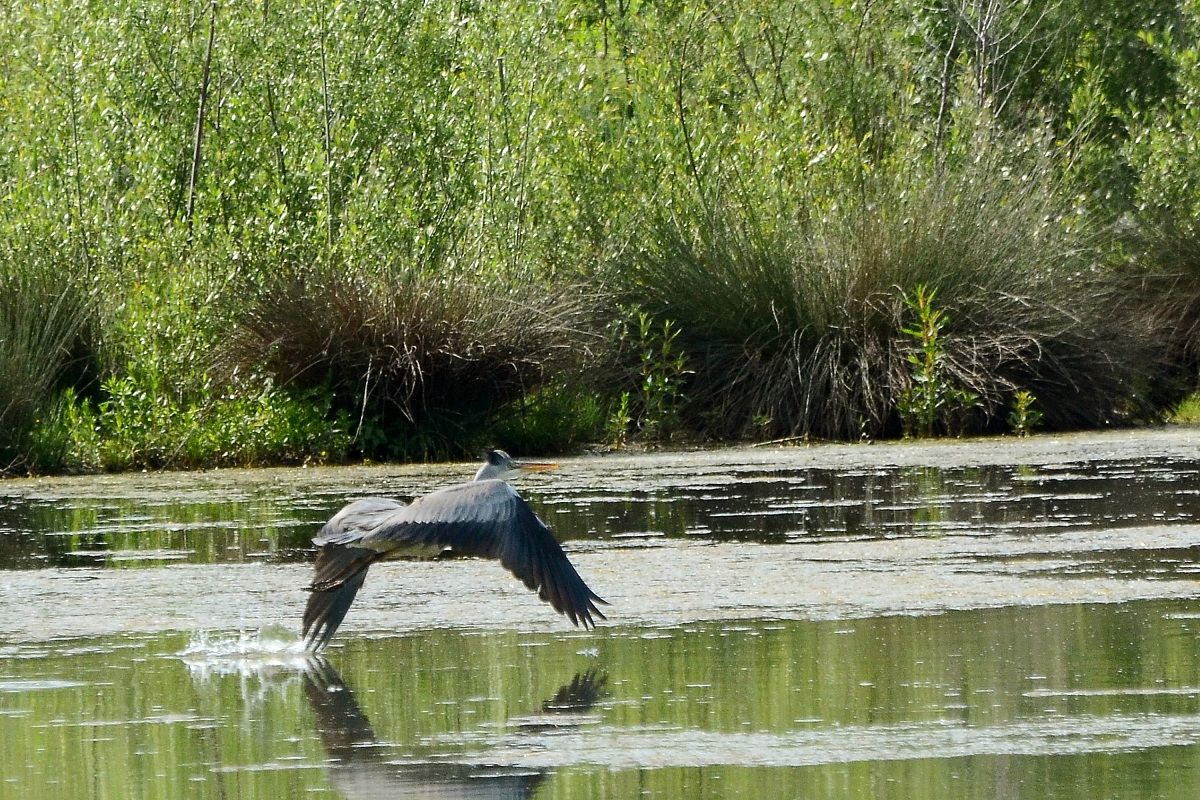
482,517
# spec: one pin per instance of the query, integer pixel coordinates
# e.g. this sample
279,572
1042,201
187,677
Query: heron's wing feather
489,518
357,519
339,574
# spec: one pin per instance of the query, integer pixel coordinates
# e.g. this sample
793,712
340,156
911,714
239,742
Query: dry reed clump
1161,290
793,327
414,357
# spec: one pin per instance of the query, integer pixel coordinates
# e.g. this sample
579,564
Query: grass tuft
419,362
798,318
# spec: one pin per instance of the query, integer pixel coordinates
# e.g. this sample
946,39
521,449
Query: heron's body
483,517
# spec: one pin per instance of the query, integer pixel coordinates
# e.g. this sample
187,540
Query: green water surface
1015,620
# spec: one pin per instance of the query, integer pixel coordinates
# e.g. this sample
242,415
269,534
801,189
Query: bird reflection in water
362,769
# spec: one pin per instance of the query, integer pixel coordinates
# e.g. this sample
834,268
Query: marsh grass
420,362
797,317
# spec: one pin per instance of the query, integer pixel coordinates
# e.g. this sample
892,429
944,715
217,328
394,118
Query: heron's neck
488,471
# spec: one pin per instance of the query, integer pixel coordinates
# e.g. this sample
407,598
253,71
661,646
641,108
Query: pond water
965,619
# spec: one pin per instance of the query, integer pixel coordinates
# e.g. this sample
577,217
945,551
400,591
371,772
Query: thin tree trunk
327,125
681,115
201,110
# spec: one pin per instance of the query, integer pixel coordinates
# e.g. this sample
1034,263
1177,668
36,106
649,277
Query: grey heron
481,517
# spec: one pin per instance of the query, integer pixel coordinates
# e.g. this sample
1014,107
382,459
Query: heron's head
499,464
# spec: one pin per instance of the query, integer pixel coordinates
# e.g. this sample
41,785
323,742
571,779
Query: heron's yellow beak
537,466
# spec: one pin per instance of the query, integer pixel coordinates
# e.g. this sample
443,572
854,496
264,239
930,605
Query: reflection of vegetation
88,533
925,487
278,518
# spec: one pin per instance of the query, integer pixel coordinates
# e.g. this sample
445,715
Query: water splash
254,652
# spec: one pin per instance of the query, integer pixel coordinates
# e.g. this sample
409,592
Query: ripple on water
642,747
22,686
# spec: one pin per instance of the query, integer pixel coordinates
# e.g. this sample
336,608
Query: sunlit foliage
236,163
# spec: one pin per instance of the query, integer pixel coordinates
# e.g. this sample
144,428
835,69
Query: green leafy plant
616,428
663,367
1023,416
552,419
932,402
129,428
392,210
1187,412
761,424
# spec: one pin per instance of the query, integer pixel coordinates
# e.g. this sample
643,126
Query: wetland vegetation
238,234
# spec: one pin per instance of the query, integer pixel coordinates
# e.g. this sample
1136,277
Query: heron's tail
340,572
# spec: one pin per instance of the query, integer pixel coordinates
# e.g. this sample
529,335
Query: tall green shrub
1162,277
44,314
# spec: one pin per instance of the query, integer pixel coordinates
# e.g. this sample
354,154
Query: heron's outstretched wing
489,518
341,566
